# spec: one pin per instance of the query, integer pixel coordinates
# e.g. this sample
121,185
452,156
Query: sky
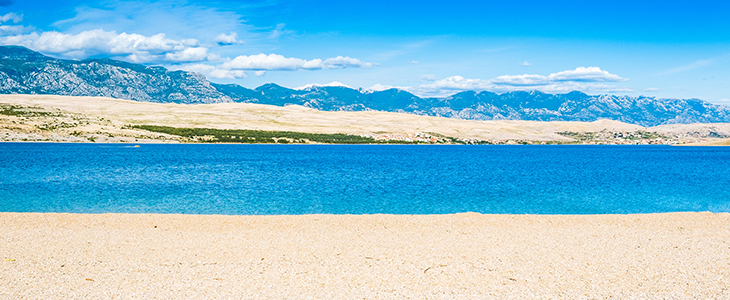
665,49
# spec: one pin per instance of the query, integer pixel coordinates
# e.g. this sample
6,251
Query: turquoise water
362,179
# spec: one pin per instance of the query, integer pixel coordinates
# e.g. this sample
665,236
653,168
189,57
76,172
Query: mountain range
23,71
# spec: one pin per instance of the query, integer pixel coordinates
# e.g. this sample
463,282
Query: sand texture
462,256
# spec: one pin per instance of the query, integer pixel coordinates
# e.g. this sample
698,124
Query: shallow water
362,179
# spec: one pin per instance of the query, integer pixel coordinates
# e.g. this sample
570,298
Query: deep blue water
362,179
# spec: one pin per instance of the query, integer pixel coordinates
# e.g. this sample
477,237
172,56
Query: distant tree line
261,136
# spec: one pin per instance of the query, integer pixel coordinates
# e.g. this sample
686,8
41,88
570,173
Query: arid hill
66,118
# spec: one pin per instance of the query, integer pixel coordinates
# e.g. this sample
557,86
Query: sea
233,179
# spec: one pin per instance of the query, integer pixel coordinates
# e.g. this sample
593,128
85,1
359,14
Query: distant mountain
23,71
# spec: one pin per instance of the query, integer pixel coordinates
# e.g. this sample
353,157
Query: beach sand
464,256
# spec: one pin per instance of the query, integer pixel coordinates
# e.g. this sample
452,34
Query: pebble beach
457,256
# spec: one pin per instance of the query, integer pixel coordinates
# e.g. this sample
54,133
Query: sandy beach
466,256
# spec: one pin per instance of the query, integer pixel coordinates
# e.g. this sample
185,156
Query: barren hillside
64,118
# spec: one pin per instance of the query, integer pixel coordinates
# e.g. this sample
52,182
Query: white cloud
165,16
133,47
160,49
415,62
461,83
189,54
588,80
16,18
580,74
13,30
526,64
651,89
227,39
264,62
340,62
590,74
521,80
261,62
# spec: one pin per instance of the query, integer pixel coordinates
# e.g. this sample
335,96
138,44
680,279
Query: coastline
722,143
468,255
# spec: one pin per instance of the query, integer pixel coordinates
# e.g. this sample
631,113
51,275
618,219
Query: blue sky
668,49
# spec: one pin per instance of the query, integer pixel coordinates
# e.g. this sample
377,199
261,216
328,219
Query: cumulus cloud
134,47
176,54
184,54
264,62
340,62
227,39
588,80
16,18
580,74
13,30
461,83
526,64
521,80
590,74
189,54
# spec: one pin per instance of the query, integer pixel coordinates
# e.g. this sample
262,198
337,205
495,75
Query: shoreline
466,255
335,144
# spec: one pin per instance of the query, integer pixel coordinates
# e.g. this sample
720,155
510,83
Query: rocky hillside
23,71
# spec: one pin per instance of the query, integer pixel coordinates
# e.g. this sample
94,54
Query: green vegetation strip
22,111
579,136
261,136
